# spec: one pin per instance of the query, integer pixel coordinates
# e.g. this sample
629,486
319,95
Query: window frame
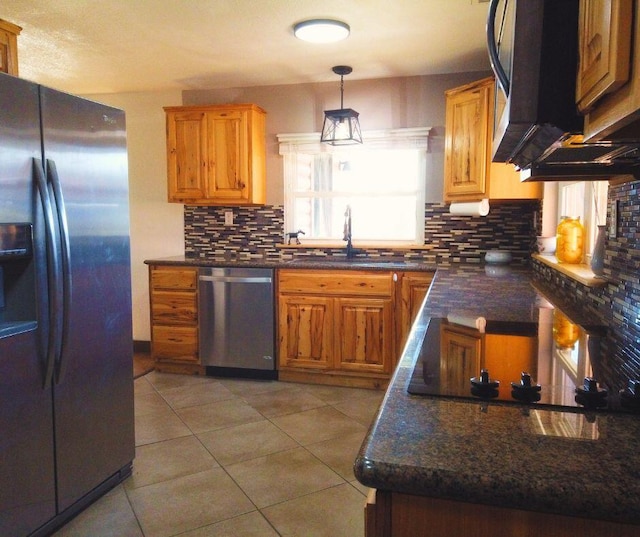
309,143
591,216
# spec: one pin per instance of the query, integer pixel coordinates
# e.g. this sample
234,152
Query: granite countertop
307,262
490,453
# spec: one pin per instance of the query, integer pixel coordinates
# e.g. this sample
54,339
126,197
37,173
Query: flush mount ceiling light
341,127
321,30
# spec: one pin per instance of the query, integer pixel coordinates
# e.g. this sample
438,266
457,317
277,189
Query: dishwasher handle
235,279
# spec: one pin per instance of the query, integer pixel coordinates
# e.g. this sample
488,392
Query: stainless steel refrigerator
66,381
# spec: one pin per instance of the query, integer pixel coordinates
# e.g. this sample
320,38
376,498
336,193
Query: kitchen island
454,466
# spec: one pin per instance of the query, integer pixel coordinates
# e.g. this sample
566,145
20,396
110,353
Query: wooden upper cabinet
469,174
9,47
615,115
604,49
216,155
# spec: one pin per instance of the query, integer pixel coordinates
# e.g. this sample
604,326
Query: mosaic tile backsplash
617,304
258,232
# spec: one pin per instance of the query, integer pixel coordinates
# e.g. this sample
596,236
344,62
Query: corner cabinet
216,155
339,327
174,319
469,174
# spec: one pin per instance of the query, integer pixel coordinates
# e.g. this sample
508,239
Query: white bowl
497,257
546,245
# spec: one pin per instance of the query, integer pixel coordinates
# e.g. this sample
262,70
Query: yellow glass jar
565,333
570,240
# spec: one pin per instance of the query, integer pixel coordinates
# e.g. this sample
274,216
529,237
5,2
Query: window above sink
382,180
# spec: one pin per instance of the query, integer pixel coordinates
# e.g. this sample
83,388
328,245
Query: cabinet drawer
175,343
174,307
335,282
174,278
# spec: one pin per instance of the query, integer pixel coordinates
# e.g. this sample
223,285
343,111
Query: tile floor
228,457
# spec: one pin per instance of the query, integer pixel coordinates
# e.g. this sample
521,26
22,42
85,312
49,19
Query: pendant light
341,127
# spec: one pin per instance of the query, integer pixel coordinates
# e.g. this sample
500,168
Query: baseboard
141,346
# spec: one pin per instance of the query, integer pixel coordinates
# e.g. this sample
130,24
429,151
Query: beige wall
157,226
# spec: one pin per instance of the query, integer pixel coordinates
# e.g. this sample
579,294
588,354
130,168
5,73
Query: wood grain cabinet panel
614,107
216,155
469,174
305,332
342,326
364,336
392,514
604,49
174,318
9,47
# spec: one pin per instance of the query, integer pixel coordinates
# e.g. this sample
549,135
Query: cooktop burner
551,362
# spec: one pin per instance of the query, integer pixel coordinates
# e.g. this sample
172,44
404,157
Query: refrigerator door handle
53,270
63,228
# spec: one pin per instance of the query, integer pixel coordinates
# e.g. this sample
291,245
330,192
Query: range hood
533,48
569,157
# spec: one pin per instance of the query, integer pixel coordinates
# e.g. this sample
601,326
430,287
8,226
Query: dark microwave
533,48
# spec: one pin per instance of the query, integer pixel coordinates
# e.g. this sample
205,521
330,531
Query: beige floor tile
196,394
149,403
168,381
334,512
338,394
158,426
318,424
253,386
249,525
339,453
142,386
186,503
110,516
282,402
166,460
363,409
282,476
248,441
217,415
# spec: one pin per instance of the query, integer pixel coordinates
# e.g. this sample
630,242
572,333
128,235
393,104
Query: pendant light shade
341,127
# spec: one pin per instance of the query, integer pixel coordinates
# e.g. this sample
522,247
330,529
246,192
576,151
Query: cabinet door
305,331
9,47
228,157
413,289
466,139
175,343
174,307
363,332
461,356
604,48
187,156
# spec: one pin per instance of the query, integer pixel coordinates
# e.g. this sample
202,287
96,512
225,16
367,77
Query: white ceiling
107,46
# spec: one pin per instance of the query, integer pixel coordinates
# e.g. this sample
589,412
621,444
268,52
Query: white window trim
409,138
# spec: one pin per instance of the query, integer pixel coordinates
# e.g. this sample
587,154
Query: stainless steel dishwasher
236,321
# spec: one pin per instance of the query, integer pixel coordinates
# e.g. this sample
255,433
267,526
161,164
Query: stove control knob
525,390
590,395
484,386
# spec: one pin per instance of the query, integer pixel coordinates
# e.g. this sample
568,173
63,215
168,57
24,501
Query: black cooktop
546,362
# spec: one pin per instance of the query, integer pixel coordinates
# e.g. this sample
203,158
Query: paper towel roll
479,323
472,208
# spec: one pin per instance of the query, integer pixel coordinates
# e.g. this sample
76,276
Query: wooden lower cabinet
344,327
174,319
392,514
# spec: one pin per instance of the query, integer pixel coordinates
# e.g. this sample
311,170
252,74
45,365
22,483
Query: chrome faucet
351,251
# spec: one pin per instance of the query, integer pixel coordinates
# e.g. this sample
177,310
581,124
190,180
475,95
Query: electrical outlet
613,220
228,218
